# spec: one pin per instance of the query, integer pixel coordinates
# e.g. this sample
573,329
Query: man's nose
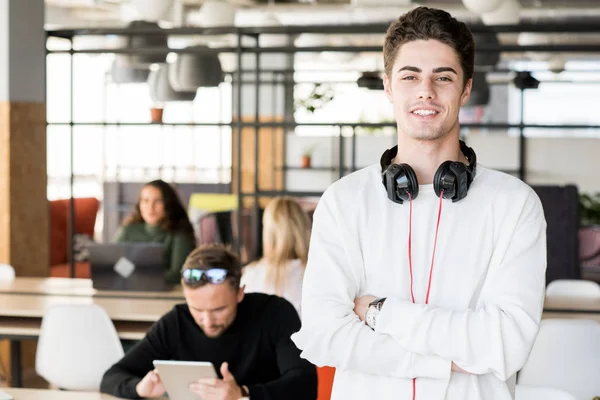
207,319
426,91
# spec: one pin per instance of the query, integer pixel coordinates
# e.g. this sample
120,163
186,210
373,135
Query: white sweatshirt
486,298
254,279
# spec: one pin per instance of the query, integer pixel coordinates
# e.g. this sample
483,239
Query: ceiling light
482,6
152,10
506,14
370,80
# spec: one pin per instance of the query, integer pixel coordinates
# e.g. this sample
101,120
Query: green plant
589,209
308,151
318,97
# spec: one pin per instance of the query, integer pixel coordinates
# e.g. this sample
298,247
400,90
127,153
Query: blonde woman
286,234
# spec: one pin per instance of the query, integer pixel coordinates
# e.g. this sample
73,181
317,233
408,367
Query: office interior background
250,99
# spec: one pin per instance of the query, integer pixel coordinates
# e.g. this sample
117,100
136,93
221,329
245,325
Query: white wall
556,161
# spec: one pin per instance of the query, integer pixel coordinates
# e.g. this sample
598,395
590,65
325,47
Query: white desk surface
561,304
45,394
76,287
118,309
24,328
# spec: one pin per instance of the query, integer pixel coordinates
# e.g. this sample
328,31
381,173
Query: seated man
246,337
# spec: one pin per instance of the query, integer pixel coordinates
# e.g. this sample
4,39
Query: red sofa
86,209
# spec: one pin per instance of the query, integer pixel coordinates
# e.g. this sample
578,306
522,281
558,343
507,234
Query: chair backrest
325,377
573,288
527,392
561,209
77,344
86,210
565,355
7,272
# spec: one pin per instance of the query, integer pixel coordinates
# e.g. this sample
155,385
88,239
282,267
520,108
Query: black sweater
257,347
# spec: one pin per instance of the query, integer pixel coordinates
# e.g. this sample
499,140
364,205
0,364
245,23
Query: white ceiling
88,13
117,13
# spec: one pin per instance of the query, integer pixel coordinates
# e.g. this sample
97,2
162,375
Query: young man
450,286
246,337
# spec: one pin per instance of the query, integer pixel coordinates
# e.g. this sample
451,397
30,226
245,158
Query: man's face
213,306
426,89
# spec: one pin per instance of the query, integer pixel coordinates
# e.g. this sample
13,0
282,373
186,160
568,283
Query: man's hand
218,389
456,368
361,304
150,385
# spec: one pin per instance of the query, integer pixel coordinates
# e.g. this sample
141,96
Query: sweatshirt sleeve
498,335
331,333
298,380
183,245
121,379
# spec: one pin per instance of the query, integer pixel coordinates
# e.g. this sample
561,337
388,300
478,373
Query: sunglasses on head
195,275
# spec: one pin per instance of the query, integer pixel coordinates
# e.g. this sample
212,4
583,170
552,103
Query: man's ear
387,88
466,94
241,293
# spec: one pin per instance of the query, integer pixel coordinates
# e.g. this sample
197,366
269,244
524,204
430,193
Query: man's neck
425,156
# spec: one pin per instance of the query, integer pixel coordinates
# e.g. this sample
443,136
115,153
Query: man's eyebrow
212,309
435,70
444,69
410,68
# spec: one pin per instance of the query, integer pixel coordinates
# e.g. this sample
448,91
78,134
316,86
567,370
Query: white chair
573,288
7,272
565,355
77,344
527,392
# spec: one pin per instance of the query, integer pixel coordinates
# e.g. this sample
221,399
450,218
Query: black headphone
452,177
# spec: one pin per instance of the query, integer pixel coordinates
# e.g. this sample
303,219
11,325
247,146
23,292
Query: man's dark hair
210,256
424,23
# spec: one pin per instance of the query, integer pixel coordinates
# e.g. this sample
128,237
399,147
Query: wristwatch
373,312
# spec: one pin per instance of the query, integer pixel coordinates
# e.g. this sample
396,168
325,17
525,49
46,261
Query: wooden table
77,287
117,308
21,317
45,394
557,307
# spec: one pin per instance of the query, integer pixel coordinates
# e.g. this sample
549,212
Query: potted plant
307,156
156,113
589,209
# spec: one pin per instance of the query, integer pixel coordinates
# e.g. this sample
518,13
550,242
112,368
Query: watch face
371,315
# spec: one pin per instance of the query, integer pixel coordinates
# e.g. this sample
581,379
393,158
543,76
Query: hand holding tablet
150,386
187,380
214,388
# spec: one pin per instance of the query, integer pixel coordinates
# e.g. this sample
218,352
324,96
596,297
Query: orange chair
325,382
86,210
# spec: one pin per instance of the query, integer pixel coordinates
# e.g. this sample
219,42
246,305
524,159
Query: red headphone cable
412,296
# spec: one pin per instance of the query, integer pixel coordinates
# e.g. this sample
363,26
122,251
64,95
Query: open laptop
128,266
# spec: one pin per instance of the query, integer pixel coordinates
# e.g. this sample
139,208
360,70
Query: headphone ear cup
452,178
444,180
400,180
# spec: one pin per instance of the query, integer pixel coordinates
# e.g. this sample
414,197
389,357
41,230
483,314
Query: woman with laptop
160,217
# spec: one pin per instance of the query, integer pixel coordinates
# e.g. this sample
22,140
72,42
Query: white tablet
176,376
